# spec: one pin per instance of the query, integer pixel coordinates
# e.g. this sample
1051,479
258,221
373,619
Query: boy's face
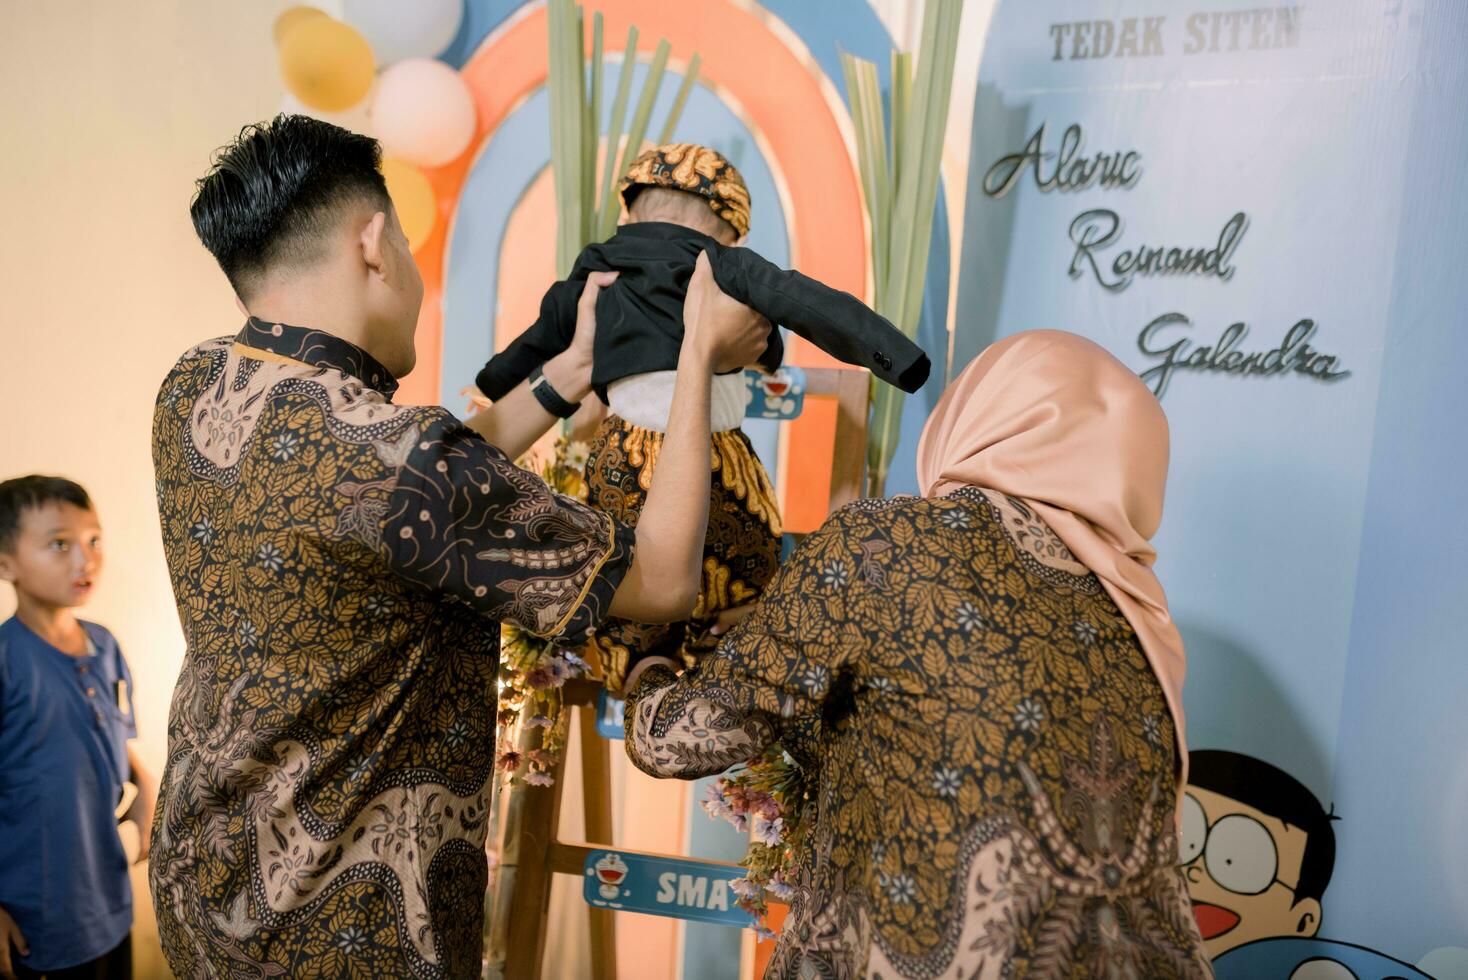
57,555
1242,867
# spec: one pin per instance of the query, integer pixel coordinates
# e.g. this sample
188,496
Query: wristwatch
549,398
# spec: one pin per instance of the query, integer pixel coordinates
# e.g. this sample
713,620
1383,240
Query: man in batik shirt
341,565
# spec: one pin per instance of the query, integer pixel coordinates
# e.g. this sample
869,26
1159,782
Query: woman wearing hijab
986,686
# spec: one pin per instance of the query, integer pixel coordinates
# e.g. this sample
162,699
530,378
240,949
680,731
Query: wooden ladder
530,853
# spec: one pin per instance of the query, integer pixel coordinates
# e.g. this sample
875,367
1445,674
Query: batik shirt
993,759
341,566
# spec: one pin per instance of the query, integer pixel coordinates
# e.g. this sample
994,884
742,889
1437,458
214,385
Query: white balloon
400,29
358,118
423,112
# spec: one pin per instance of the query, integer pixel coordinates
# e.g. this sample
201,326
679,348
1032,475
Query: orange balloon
413,199
326,64
292,17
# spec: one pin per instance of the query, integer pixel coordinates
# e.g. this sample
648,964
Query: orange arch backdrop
762,70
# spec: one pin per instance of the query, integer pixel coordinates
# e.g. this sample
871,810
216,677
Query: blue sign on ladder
774,396
609,714
699,891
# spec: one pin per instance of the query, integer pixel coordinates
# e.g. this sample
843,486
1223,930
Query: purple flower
768,832
780,890
744,887
762,932
757,801
539,721
713,802
538,779
540,677
574,662
559,669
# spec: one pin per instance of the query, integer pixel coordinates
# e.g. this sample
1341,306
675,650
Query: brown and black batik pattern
341,565
994,759
741,550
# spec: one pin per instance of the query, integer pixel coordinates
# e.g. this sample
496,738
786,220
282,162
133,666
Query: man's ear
739,242
7,567
1308,923
374,244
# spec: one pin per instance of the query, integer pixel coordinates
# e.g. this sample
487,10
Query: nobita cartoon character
1257,850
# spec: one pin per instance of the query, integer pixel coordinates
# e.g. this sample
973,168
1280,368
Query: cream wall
109,112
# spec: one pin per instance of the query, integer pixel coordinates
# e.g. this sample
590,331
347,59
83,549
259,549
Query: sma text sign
699,891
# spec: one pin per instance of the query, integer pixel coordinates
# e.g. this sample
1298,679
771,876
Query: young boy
684,201
66,716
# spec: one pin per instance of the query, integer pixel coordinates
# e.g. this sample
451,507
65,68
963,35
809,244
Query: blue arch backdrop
517,152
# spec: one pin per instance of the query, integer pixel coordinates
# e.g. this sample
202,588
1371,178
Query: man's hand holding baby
719,331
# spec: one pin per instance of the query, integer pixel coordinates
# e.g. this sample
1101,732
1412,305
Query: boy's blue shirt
64,726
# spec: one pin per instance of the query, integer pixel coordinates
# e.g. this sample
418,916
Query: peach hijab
1056,421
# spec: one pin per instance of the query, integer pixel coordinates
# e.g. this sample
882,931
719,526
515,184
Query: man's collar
321,350
665,231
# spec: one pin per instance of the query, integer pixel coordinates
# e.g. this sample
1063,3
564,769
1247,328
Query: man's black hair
1271,790
271,194
29,492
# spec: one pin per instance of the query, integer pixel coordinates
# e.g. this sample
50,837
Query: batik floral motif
994,786
342,565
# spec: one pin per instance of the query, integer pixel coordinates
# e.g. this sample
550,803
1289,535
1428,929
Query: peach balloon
423,112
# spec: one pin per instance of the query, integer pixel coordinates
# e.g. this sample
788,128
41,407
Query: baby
682,200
